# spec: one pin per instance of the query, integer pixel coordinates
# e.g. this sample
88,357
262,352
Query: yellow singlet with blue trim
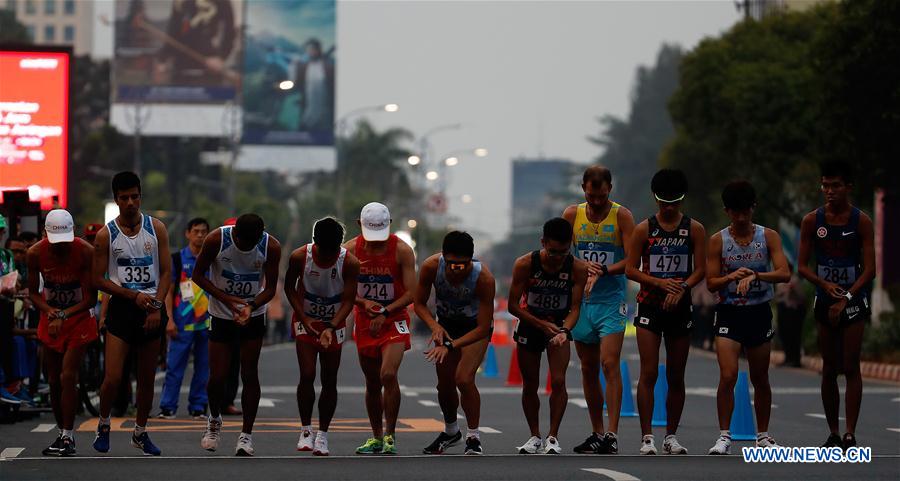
601,243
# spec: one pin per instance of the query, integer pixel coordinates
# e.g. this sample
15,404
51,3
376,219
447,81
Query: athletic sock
725,433
473,433
451,428
68,433
104,421
305,429
59,431
138,430
647,437
762,435
322,434
610,434
245,435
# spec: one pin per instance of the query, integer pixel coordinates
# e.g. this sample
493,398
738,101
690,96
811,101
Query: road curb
871,370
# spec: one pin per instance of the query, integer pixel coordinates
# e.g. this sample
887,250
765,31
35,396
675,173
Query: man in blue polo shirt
187,328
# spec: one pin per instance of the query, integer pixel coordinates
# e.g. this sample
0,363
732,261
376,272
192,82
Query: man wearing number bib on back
322,300
601,231
387,273
243,264
661,259
842,237
67,322
549,282
738,269
132,264
464,296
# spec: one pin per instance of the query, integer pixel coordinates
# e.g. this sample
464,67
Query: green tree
633,145
11,31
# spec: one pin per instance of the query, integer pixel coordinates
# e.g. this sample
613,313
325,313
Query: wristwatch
252,304
567,331
685,285
848,296
604,269
61,315
448,345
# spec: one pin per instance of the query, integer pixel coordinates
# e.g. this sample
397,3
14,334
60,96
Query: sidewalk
870,370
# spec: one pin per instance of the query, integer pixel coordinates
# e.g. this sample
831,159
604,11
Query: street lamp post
342,129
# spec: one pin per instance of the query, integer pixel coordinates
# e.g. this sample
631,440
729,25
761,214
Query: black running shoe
443,442
166,414
53,449
849,441
591,445
611,442
834,441
68,447
473,446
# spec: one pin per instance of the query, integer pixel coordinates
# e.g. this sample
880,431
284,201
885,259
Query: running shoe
532,446
144,443
671,446
306,441
443,442
321,444
552,446
371,446
244,446
53,449
387,445
67,449
766,442
210,439
101,442
591,445
610,444
8,398
834,441
165,414
473,446
198,414
722,446
848,441
647,445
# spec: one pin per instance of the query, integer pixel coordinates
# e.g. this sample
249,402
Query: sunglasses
457,265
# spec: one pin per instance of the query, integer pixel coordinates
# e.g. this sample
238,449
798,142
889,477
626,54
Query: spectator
790,299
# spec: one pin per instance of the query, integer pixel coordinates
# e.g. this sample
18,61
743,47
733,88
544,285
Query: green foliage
633,145
11,31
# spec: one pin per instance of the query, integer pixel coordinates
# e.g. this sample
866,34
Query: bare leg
728,351
648,348
558,359
250,378
530,367
589,354
758,358
610,354
677,350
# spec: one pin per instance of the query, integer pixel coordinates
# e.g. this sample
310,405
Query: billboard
288,81
177,51
34,123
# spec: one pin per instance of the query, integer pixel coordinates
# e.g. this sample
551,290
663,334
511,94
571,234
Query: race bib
843,276
756,286
547,301
319,310
299,329
668,263
62,296
245,286
604,258
187,290
402,327
136,273
376,291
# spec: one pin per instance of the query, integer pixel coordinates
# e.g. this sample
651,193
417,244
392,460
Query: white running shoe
647,445
671,446
532,446
305,443
722,446
552,446
244,446
210,440
321,448
766,442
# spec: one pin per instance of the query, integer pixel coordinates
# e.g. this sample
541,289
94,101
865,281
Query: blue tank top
838,250
456,301
754,256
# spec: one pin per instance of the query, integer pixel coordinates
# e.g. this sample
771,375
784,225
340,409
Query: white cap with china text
376,222
60,226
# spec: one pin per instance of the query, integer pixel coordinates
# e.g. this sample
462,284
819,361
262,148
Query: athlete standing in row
601,233
387,275
320,285
132,264
667,257
243,265
743,262
549,282
842,239
67,323
464,296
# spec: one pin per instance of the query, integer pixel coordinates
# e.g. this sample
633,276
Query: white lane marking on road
821,416
11,452
44,428
407,392
265,402
896,430
427,403
488,430
895,400
609,473
579,401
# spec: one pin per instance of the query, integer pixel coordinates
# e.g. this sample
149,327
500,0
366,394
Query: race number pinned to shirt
187,290
402,327
604,258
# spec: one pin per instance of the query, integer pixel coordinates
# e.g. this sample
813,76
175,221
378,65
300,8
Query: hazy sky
524,78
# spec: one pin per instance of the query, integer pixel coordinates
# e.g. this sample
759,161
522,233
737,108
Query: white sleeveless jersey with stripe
238,273
134,260
323,287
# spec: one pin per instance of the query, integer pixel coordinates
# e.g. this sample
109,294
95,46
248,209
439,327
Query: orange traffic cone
514,378
549,388
501,337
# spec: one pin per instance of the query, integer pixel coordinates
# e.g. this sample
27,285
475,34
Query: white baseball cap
376,222
60,226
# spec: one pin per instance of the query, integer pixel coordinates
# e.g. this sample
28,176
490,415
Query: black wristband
448,345
252,304
604,269
567,331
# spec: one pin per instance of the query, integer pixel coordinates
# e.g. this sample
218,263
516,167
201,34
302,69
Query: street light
431,175
466,198
480,152
451,161
286,85
411,223
391,107
414,160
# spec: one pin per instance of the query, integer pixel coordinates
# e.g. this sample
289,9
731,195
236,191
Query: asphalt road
797,420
